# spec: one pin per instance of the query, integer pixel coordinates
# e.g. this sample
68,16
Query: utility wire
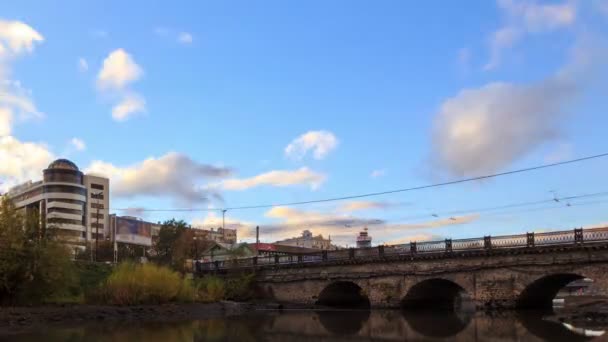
464,180
372,194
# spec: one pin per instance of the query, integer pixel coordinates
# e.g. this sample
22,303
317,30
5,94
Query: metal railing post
413,248
324,255
487,242
530,240
578,235
276,258
351,253
448,245
381,251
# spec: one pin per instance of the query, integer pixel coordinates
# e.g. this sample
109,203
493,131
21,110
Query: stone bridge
519,271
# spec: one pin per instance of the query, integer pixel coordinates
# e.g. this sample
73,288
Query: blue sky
207,96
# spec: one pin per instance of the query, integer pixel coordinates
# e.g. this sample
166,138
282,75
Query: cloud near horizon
173,174
344,228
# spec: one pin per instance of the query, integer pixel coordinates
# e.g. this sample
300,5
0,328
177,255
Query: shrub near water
131,284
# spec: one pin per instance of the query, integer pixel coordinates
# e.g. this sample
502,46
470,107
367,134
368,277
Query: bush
210,289
241,288
131,284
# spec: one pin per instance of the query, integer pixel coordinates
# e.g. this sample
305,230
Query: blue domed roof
63,164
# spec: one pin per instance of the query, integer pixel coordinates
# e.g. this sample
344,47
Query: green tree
33,266
171,247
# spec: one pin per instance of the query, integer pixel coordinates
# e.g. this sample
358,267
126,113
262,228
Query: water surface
331,326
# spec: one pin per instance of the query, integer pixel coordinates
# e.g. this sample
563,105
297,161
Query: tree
171,245
33,266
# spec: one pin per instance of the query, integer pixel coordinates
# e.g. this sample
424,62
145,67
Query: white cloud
118,70
500,40
378,173
83,65
485,129
16,104
279,178
185,38
364,205
321,143
78,144
244,228
17,37
130,105
527,17
6,121
21,161
173,174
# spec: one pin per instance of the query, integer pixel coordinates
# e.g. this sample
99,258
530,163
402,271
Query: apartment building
71,203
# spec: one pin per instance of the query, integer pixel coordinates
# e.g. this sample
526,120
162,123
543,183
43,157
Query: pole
224,218
115,244
97,228
257,240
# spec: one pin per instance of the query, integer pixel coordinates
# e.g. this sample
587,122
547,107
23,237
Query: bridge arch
539,294
435,294
343,294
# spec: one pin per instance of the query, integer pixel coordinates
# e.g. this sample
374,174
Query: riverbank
16,320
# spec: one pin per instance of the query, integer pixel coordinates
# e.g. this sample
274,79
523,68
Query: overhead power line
464,180
388,192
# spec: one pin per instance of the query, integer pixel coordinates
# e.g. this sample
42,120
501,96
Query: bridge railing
528,240
595,234
468,244
508,241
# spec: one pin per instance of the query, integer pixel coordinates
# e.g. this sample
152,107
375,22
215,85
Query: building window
96,196
63,176
65,210
65,201
57,220
95,215
97,186
97,206
97,225
66,189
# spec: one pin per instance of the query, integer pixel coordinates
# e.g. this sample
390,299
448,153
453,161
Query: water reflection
344,322
426,322
331,326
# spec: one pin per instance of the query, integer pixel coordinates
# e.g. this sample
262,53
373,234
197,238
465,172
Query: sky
204,105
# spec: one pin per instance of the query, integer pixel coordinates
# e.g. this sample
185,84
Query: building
364,240
221,235
71,203
307,240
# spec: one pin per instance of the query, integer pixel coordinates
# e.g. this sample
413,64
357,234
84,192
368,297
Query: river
318,326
